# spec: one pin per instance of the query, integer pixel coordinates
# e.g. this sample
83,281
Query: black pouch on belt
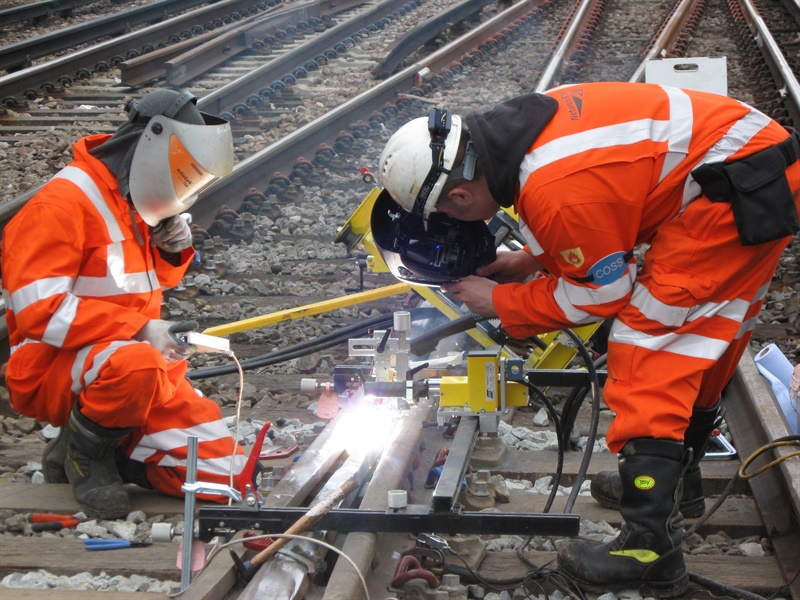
758,191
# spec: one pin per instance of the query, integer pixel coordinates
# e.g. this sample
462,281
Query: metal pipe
390,473
188,513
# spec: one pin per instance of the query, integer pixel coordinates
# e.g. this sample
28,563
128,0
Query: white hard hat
174,161
417,160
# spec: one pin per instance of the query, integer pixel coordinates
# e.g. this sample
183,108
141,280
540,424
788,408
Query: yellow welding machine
480,390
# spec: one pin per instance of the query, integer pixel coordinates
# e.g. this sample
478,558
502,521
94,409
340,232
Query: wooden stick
314,514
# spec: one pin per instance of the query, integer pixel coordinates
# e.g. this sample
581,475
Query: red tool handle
48,518
54,525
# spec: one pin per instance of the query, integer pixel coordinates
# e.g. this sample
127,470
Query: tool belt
758,191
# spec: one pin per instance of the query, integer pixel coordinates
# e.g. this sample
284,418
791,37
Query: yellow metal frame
356,233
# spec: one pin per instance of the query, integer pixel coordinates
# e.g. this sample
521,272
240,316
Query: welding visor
174,161
444,251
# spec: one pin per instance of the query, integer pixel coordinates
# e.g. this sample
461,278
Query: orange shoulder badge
573,256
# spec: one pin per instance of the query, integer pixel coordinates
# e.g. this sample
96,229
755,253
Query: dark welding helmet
444,251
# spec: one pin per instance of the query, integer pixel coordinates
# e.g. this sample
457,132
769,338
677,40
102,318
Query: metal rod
188,513
449,486
412,519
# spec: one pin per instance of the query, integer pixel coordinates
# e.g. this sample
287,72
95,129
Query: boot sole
659,589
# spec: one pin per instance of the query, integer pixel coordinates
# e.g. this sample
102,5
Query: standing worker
84,265
594,170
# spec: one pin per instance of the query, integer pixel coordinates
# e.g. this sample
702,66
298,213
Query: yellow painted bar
309,309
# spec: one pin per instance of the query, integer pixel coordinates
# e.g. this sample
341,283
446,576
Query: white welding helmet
174,160
418,158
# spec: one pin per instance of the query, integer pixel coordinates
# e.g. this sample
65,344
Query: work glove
172,234
167,338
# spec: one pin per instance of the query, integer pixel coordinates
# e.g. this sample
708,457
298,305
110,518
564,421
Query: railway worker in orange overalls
593,171
84,265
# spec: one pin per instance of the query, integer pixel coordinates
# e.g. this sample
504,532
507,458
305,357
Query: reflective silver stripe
655,310
621,134
89,187
173,439
23,343
681,117
569,296
216,466
746,327
734,140
60,320
77,369
38,290
534,246
751,323
116,281
101,358
735,310
762,292
169,439
686,344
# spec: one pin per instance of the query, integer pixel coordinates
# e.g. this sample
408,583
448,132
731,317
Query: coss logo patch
609,269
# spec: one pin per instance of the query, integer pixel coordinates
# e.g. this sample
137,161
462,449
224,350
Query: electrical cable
308,347
716,586
238,416
740,474
595,423
559,436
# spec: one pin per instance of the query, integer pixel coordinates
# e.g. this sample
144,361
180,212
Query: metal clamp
435,542
214,489
728,450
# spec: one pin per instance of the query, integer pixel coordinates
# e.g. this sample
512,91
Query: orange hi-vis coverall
611,171
80,279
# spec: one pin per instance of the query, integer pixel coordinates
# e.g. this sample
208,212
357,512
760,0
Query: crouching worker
593,171
84,265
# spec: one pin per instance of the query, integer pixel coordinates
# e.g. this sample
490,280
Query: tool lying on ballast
96,544
51,522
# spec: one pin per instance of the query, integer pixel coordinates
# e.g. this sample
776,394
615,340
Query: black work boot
132,471
606,486
91,468
55,453
647,552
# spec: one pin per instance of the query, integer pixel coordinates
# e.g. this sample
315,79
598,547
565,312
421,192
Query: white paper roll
777,369
773,360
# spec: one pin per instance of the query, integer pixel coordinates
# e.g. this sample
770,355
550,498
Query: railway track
276,252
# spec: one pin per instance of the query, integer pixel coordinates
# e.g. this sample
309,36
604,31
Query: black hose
587,454
310,346
559,435
426,343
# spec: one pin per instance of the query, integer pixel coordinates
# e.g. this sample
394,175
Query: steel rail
785,78
667,36
566,47
20,54
755,419
61,71
282,155
147,67
180,62
286,578
224,98
39,10
424,33
181,69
